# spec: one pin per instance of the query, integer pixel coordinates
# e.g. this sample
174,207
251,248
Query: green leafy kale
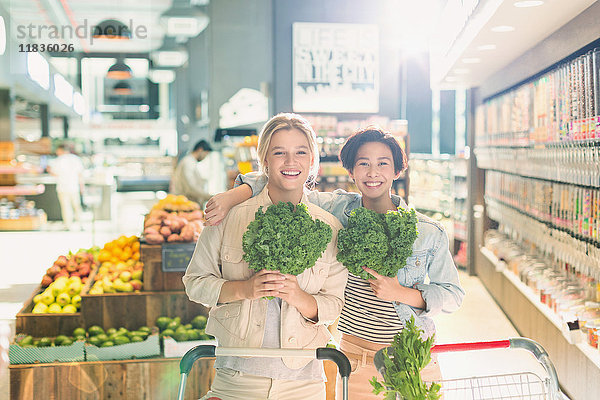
285,237
382,242
402,375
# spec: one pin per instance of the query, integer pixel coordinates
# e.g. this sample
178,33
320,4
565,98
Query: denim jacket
431,255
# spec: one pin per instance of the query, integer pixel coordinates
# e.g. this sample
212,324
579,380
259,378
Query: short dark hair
371,134
203,144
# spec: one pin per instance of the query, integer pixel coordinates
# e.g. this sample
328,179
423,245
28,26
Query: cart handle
452,347
209,351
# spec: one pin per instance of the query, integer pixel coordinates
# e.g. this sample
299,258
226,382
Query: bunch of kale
381,242
285,238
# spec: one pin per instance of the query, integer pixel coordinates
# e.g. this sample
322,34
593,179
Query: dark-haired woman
375,310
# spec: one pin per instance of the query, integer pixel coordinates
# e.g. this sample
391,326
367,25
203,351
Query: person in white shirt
68,169
187,179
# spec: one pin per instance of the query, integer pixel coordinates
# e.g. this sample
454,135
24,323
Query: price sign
176,256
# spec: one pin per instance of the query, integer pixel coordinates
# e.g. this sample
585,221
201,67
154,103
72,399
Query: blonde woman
303,306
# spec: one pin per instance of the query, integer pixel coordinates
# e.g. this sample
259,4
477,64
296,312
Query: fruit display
176,203
121,270
172,327
61,296
60,340
98,337
79,264
161,226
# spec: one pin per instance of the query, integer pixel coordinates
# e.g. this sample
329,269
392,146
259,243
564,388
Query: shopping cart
206,351
523,385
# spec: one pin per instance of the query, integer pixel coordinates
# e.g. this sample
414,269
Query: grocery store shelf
591,353
22,190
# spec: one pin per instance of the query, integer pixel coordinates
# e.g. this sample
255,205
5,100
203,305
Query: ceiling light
122,88
486,47
461,71
180,20
528,3
111,29
119,70
471,60
162,75
503,28
169,54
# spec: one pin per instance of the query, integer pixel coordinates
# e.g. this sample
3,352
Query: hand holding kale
403,362
378,241
285,238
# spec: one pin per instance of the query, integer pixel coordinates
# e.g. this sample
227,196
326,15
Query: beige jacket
218,258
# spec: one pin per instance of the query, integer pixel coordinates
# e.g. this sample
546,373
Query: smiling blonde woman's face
288,160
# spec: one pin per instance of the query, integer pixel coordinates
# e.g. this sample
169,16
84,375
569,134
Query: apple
125,276
62,274
47,297
63,299
53,270
54,308
137,284
127,287
137,274
76,300
46,281
61,261
37,298
74,279
71,265
96,290
58,287
74,288
40,308
84,271
69,309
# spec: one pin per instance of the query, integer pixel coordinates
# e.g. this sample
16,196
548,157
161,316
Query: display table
146,379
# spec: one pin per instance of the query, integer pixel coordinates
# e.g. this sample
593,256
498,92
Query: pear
54,308
69,309
58,287
40,308
76,300
37,298
74,288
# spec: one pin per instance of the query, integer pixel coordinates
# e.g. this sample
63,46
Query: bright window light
63,90
38,69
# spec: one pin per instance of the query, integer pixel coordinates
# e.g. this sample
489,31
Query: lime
78,332
121,340
173,325
45,342
59,339
27,340
168,332
180,336
95,330
144,329
108,343
103,337
111,331
140,333
77,338
193,334
188,326
162,322
95,341
66,342
199,322
136,339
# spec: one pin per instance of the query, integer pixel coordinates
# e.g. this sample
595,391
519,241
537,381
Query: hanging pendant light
119,70
170,54
111,29
122,88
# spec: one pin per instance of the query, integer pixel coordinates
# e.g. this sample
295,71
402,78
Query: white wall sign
335,68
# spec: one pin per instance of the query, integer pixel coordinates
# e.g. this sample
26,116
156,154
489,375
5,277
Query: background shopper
187,178
68,169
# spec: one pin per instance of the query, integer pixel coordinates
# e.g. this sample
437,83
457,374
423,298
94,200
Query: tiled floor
24,256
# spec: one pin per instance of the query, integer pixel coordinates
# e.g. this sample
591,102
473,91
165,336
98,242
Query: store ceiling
479,52
41,15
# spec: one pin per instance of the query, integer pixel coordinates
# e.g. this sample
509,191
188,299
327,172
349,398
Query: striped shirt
366,316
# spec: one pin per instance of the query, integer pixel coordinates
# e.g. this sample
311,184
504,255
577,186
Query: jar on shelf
592,332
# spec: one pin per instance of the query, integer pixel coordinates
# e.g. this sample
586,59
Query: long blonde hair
288,121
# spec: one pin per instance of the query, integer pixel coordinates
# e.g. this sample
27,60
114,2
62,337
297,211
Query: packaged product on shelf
28,350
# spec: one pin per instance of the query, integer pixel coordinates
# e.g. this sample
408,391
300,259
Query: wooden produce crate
132,310
155,278
46,325
146,379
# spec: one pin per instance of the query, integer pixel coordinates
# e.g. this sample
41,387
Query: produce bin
155,278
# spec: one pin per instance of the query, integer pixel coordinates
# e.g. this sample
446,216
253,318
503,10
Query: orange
136,255
135,246
122,241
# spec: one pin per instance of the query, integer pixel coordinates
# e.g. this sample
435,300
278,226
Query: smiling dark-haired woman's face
373,170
